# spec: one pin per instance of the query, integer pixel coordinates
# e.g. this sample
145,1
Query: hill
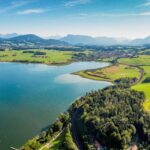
88,40
30,41
104,41
139,42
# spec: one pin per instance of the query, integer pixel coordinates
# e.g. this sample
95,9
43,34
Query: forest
113,117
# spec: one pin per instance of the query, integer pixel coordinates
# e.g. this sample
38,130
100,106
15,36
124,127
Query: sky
112,18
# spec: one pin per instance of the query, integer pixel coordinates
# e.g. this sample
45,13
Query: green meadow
141,60
125,69
33,56
146,105
111,73
145,87
144,62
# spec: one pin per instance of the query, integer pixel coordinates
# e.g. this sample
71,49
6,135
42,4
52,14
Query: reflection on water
69,78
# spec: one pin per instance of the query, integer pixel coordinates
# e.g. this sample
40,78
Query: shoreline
55,64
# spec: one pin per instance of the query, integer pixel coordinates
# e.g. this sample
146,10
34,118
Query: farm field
145,87
140,60
117,71
144,62
111,73
146,106
36,56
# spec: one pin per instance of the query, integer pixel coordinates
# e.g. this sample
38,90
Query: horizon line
64,35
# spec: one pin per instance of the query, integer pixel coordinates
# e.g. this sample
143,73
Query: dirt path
141,75
48,145
141,71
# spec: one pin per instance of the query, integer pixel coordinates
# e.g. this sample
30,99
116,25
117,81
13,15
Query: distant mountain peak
31,40
70,39
28,37
89,40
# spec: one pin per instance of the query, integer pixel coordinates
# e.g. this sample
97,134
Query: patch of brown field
112,69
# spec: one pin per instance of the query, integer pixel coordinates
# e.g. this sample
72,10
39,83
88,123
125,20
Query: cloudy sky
118,18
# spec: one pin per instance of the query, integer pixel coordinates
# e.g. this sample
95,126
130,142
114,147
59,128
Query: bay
33,95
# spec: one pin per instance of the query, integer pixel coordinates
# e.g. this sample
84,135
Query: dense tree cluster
28,51
114,117
146,80
39,53
126,81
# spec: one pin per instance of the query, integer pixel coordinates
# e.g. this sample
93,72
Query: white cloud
146,4
72,3
31,11
86,15
126,14
13,6
145,14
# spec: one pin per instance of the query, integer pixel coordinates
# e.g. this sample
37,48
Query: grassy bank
111,73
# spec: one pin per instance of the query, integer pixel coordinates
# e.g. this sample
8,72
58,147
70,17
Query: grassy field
140,60
146,106
144,62
114,72
145,87
121,70
111,73
47,56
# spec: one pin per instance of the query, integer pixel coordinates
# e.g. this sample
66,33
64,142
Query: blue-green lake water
32,96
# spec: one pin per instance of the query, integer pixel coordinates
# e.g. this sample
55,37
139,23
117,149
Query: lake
32,96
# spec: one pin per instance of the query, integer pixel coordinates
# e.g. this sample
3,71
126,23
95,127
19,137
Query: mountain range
88,40
34,40
30,40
